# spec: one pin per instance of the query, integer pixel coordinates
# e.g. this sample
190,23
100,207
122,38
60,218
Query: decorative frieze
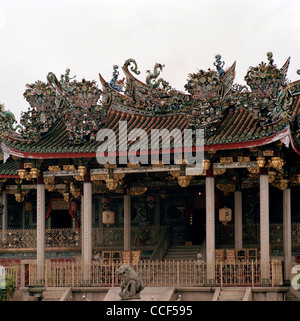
69,167
277,162
226,160
226,188
136,190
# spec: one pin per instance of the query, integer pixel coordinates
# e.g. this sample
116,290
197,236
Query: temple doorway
61,219
198,226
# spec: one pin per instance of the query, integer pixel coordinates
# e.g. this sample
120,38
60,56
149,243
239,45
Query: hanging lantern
225,215
27,206
108,217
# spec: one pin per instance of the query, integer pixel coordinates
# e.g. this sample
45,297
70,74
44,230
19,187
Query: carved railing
146,236
67,238
15,239
26,239
158,273
71,238
140,236
251,234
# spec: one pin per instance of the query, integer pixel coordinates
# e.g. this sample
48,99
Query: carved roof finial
270,57
219,65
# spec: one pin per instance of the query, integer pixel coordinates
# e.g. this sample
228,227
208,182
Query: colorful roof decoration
65,115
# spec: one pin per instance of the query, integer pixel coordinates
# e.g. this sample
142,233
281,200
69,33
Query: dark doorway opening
61,219
198,227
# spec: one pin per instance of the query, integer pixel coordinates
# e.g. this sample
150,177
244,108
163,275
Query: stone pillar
4,211
127,222
264,226
40,228
210,225
238,222
86,217
287,232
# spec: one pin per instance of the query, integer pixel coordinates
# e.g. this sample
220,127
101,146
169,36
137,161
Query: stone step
53,295
231,294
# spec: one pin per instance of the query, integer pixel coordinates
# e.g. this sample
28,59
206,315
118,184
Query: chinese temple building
140,167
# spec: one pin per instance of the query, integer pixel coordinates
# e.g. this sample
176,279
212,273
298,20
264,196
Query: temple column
287,232
40,228
127,223
210,224
264,226
238,222
86,248
4,211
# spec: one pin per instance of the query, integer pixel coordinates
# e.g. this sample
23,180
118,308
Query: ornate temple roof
65,115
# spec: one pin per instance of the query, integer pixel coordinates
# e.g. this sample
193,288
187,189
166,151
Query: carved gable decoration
270,96
84,94
209,90
265,79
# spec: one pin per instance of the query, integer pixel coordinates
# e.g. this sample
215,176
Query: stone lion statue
131,285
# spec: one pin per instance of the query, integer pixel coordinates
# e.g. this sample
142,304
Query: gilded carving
54,168
268,152
277,162
281,184
131,165
219,171
112,183
50,183
260,162
75,191
49,180
27,165
242,159
184,181
253,170
175,174
226,160
34,172
136,190
99,177
50,187
226,188
69,168
79,178
272,176
246,185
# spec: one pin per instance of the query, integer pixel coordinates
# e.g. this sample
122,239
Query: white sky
89,37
